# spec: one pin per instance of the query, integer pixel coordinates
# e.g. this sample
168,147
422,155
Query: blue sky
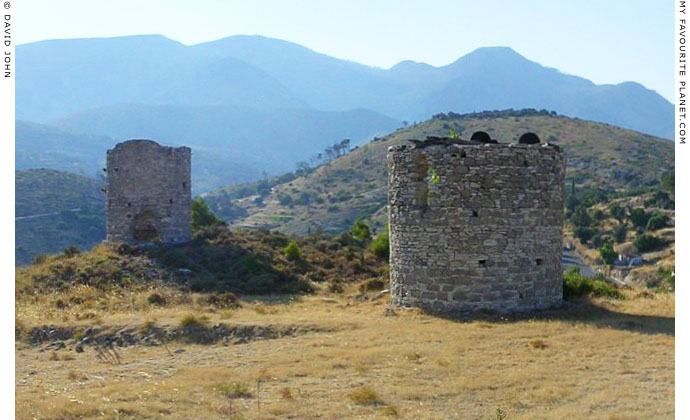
605,41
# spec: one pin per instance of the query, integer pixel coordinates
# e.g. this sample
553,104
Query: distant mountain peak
493,55
148,38
504,50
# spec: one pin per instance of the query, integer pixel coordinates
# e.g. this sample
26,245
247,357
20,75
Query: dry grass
234,390
364,396
609,359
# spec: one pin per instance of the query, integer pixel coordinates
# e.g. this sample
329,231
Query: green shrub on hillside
360,230
647,243
584,234
292,251
617,212
380,245
620,231
639,217
71,251
581,218
202,215
576,285
658,221
156,299
607,253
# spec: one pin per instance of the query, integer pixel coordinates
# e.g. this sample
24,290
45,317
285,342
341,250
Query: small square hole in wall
171,201
539,261
482,263
474,213
129,204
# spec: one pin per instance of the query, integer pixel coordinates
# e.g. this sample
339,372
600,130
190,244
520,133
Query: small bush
360,230
380,246
285,199
576,285
71,251
598,240
202,215
620,231
607,254
639,217
234,390
156,299
190,320
658,221
647,243
580,217
219,300
584,234
364,396
40,259
174,257
292,251
617,212
599,215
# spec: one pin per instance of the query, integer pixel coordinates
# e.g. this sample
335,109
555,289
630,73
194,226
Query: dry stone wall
148,193
476,226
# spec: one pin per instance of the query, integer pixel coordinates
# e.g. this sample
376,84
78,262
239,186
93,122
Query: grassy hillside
331,197
127,332
634,224
216,260
54,210
232,325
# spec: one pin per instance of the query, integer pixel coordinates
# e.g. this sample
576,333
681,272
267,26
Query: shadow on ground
580,312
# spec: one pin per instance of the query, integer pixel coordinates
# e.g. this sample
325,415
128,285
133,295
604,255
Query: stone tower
148,193
476,224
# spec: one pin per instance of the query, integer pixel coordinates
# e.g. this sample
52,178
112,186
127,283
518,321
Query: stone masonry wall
148,193
476,226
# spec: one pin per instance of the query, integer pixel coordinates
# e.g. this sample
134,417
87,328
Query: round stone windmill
476,224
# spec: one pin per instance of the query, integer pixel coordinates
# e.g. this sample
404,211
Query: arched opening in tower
481,136
144,227
529,138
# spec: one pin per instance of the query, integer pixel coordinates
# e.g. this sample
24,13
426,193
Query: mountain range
251,105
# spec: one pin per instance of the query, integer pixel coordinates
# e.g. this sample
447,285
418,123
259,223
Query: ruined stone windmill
148,193
476,224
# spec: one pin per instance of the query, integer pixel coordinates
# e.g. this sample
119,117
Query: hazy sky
608,41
